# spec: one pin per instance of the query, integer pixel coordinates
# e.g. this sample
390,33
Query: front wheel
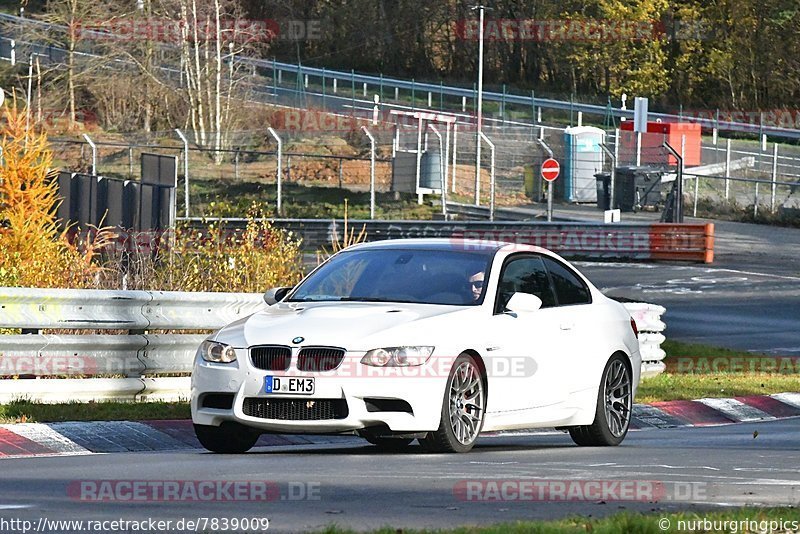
463,409
228,438
613,412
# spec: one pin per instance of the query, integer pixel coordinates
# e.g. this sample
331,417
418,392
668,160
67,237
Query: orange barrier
685,242
632,241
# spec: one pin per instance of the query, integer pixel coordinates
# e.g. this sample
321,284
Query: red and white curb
56,439
706,412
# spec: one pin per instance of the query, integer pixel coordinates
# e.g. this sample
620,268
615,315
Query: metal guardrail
504,98
137,355
140,356
31,308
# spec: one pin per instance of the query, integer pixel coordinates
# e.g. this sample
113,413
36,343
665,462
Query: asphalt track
728,307
354,485
746,299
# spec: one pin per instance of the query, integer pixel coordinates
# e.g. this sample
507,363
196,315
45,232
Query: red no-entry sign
550,169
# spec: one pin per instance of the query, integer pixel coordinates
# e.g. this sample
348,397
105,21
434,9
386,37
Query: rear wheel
228,438
613,412
463,409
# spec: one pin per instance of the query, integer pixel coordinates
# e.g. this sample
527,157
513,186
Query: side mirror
523,302
275,295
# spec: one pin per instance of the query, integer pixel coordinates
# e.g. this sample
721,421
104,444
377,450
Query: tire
228,438
463,409
388,444
612,415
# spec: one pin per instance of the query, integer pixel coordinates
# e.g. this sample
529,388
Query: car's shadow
493,444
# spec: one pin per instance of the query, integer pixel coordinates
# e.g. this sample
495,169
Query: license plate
289,384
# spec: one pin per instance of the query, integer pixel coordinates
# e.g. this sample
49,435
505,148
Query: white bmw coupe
428,339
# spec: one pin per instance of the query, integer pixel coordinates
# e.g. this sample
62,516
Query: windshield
400,275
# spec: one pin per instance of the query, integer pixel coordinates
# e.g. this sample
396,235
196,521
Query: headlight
397,356
211,351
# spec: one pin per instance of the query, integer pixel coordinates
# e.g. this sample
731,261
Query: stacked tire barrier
651,328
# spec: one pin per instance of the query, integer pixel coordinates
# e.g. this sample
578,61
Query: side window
570,289
525,274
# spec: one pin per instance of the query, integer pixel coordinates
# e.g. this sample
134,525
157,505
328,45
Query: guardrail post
491,175
274,134
94,153
185,172
353,91
130,161
755,203
446,157
324,108
419,158
455,150
727,167
774,176
371,172
442,171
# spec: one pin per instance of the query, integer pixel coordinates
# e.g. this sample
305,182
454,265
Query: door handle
567,326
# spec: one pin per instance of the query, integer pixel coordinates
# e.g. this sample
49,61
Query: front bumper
421,387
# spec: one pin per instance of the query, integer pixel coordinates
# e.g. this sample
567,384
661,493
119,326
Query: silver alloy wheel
466,403
618,398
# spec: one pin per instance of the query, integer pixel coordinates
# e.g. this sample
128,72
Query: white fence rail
29,361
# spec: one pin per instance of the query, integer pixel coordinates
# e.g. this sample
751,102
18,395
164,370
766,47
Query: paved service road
728,307
747,299
356,486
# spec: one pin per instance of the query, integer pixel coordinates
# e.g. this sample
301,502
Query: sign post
550,171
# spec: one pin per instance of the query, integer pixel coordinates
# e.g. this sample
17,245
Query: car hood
350,325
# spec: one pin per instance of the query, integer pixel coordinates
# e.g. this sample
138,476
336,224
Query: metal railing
304,80
122,366
89,359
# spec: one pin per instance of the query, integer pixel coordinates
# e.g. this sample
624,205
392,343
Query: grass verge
23,411
633,522
696,371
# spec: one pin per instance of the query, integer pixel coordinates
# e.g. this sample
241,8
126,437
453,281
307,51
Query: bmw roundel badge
298,340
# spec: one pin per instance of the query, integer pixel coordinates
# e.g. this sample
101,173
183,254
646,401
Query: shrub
251,260
33,252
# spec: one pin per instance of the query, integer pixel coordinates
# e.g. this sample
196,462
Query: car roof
450,244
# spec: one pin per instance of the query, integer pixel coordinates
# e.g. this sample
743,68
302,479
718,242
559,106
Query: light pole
481,8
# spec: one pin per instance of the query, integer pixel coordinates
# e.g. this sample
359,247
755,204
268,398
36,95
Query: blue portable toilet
583,159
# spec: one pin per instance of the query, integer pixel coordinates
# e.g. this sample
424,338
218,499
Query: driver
475,282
